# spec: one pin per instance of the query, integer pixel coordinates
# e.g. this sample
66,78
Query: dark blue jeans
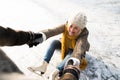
56,44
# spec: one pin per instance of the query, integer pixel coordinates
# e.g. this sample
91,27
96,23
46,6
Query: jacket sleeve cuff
43,36
75,61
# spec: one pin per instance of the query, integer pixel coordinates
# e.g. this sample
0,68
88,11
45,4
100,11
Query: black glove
35,39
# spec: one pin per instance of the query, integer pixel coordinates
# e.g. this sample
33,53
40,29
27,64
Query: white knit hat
79,19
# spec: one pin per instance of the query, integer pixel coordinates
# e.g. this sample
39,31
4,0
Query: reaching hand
35,39
72,61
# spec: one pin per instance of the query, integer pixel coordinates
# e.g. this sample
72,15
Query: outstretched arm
10,37
82,45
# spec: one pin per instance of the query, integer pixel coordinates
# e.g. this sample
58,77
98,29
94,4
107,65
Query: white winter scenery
35,15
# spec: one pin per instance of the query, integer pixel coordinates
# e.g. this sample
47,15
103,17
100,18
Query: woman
74,43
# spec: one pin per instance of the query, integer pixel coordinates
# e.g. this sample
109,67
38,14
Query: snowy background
35,15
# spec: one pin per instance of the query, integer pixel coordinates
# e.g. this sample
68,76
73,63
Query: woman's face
74,30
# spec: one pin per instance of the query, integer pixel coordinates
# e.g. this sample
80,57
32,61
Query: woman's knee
56,44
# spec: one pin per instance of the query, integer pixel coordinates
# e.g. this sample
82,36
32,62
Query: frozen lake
35,15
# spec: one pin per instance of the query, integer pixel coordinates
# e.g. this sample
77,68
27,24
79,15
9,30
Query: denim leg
55,44
62,64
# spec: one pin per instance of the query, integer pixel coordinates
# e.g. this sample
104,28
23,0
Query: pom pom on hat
79,20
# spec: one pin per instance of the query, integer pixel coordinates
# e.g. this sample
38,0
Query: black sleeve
10,37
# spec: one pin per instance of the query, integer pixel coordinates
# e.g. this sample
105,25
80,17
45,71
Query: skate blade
36,72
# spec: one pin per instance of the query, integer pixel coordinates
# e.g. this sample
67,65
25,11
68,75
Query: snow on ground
103,25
